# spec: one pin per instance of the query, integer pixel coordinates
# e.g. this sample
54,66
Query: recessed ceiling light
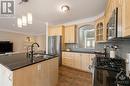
65,8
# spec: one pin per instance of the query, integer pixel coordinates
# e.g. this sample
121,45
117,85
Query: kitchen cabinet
101,30
123,14
126,17
67,59
85,62
111,6
80,61
70,34
53,71
108,11
41,74
77,60
27,76
122,17
55,30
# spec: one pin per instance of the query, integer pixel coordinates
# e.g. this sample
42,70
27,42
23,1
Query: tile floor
72,77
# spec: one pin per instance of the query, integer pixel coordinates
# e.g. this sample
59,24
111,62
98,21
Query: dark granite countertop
17,61
91,52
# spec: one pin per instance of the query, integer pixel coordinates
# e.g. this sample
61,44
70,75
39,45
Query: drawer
67,62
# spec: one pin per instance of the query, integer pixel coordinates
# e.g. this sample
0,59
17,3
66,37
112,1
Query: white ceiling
48,11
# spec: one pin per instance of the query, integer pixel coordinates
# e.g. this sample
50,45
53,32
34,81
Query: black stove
106,70
110,63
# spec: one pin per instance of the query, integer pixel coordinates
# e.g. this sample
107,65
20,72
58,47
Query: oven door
104,77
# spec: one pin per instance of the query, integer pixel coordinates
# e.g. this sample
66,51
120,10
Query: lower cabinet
77,61
85,59
67,59
81,61
27,76
53,72
41,74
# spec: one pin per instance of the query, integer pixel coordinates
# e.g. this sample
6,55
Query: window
87,37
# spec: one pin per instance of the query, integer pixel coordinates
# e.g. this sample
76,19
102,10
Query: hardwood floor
72,77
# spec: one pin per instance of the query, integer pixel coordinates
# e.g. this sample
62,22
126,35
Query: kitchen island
18,70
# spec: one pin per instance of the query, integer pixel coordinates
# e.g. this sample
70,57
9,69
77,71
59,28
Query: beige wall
41,40
19,40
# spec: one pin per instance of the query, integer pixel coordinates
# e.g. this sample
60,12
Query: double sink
41,55
18,61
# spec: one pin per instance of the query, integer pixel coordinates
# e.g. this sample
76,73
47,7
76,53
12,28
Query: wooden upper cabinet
101,30
70,34
126,18
55,30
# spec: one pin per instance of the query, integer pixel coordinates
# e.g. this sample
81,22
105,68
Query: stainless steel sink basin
41,56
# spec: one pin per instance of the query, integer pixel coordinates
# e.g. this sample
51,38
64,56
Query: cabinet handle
89,67
92,59
10,77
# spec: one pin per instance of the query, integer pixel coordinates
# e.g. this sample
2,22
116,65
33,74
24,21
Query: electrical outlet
39,67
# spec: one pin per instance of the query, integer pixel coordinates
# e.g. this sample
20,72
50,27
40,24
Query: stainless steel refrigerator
54,46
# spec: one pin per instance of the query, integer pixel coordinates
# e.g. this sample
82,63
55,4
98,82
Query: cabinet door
77,60
92,56
53,71
85,62
127,17
41,74
44,74
68,62
55,30
51,31
26,76
70,34
59,30
68,59
101,30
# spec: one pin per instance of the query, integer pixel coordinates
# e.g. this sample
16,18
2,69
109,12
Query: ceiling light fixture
19,22
29,18
65,8
24,20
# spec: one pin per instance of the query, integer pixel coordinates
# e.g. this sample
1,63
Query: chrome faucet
32,52
28,53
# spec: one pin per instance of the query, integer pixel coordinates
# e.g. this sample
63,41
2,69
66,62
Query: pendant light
19,22
24,20
29,18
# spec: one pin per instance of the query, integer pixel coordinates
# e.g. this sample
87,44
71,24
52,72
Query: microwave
114,26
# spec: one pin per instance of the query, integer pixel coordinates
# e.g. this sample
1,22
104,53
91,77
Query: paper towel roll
112,54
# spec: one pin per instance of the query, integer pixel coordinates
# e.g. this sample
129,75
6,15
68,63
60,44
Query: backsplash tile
124,46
